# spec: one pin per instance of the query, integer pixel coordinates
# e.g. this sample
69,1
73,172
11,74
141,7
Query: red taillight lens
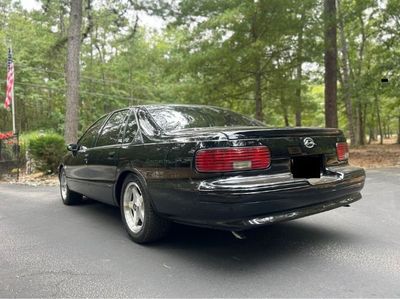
233,159
342,151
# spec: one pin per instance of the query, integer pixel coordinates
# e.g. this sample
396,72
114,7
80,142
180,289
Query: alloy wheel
63,185
133,207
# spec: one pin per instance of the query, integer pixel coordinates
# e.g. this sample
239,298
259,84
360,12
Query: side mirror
73,147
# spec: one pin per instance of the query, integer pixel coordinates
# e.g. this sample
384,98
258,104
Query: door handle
111,154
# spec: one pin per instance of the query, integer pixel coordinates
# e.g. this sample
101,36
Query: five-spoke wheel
141,222
133,207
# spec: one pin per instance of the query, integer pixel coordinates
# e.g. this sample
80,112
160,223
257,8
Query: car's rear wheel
68,197
141,222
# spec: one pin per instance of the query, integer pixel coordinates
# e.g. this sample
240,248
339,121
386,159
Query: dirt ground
376,155
34,179
368,156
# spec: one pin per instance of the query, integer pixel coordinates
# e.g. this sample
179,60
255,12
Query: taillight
342,151
232,159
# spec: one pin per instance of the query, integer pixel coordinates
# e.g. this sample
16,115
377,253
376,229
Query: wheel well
120,182
59,169
118,185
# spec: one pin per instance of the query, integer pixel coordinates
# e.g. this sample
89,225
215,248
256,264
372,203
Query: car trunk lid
303,152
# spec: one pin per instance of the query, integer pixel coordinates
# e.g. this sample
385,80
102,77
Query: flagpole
13,111
12,100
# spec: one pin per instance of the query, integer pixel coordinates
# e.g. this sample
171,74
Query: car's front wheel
141,222
68,197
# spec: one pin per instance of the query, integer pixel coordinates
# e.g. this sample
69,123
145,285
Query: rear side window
131,129
147,126
90,135
111,131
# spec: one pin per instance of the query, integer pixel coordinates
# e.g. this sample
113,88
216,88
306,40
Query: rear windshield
183,117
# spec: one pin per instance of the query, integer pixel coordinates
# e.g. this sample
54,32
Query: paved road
48,250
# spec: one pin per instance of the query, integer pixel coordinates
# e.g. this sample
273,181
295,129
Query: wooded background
270,59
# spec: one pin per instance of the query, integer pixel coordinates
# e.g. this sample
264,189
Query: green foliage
209,53
47,149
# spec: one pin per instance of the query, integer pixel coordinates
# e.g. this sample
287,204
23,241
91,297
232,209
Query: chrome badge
309,142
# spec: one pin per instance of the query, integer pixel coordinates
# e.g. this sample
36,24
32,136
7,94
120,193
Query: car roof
145,106
176,105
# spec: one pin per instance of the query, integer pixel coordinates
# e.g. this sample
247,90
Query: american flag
10,80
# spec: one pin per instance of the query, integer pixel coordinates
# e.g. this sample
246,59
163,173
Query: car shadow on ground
221,251
269,246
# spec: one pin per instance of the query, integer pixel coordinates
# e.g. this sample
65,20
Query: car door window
90,135
131,129
111,131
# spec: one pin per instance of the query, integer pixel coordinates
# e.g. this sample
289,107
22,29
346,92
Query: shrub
47,149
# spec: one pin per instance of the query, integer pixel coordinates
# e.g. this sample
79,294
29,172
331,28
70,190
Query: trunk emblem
309,142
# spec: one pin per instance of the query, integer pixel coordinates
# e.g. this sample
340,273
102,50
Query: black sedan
206,166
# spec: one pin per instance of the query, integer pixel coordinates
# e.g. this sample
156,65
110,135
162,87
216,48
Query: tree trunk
372,129
258,97
371,134
286,119
360,115
299,75
299,72
364,121
357,124
378,115
257,67
331,118
73,72
398,130
284,106
360,124
346,78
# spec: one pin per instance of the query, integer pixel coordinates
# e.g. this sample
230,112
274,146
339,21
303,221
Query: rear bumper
293,214
238,203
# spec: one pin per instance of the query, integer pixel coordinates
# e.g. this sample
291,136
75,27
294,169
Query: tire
141,222
68,197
